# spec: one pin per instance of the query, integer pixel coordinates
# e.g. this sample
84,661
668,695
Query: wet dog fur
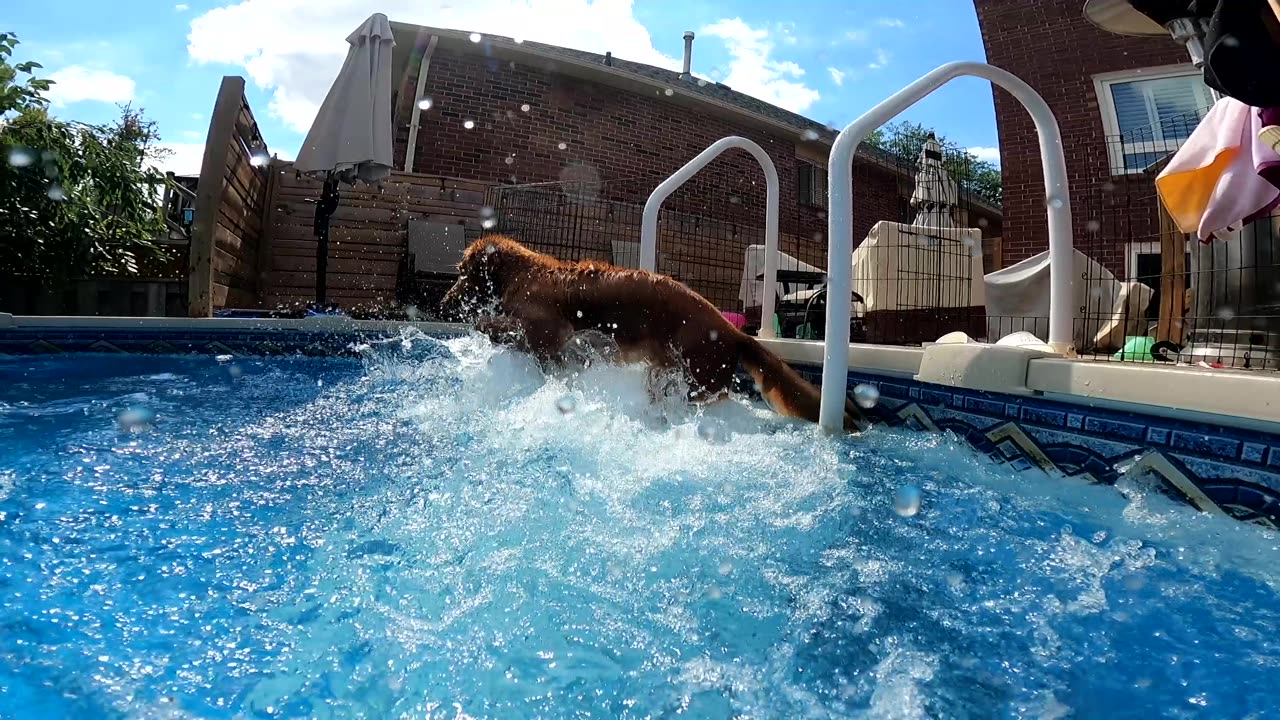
536,303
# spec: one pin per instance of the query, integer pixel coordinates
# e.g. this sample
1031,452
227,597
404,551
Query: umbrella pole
324,211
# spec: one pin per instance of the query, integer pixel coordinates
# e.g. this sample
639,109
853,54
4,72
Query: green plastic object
1136,349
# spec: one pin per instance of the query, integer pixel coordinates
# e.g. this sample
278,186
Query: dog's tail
785,391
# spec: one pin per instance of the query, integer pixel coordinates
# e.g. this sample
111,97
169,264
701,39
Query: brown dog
537,303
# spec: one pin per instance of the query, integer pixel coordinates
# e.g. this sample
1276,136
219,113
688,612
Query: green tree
906,139
75,199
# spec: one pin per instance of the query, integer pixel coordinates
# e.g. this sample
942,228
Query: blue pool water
440,531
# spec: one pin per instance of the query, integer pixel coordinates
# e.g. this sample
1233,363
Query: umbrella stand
324,211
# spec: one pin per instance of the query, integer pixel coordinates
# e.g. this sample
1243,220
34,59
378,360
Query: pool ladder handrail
835,363
649,220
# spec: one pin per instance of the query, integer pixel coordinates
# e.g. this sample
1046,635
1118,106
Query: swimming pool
438,530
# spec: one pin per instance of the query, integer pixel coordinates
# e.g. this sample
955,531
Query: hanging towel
1214,183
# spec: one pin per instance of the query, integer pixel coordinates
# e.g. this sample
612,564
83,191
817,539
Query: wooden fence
227,238
253,243
368,234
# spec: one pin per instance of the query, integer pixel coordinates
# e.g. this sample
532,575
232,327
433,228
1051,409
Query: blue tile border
182,341
1218,469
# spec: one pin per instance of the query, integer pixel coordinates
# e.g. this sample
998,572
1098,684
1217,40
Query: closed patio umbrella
935,193
350,139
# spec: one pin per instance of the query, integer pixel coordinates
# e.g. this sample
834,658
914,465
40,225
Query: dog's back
652,318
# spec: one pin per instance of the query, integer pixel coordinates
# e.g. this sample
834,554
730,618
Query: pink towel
1216,182
739,321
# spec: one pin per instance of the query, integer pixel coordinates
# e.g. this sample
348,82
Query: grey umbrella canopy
350,139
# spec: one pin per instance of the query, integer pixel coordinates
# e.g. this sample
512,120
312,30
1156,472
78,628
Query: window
811,184
1145,266
1148,114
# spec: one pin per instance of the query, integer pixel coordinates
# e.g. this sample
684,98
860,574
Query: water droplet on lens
21,157
424,104
475,37
566,405
579,313
1093,226
468,124
1056,203
490,249
135,420
713,593
56,193
524,108
712,431
906,501
866,396
669,92
563,146
726,567
510,159
1225,313
489,224
1108,186
809,134
714,335
235,371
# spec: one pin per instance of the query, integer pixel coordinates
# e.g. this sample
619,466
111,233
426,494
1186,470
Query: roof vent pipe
688,55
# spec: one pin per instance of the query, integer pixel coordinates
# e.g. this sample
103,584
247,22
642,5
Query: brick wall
608,134
1050,45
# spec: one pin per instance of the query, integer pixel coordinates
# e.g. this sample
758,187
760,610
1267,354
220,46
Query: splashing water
425,533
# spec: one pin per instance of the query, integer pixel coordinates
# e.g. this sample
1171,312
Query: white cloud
837,76
294,50
184,158
78,83
181,7
882,59
890,22
191,134
753,71
990,154
857,37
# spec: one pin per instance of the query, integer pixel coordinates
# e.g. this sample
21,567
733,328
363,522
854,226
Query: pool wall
1210,438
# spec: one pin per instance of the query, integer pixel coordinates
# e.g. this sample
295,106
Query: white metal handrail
835,363
649,220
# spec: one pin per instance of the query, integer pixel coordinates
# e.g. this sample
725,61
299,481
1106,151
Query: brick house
1122,102
503,112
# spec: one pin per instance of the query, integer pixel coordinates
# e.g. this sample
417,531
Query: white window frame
1111,123
1146,247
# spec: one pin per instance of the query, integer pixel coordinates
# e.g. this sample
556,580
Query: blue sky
827,59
